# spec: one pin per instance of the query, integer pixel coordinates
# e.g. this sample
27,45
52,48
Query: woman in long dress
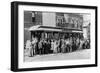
63,46
40,47
67,45
34,44
55,46
29,47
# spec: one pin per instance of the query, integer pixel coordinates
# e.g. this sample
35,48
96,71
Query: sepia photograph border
15,40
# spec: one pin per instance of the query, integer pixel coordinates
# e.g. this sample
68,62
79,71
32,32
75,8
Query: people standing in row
46,46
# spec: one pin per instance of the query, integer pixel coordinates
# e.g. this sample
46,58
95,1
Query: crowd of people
48,46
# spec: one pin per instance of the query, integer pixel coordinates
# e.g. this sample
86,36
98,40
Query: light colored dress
55,47
52,45
28,46
81,43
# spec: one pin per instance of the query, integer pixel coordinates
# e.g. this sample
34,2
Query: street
79,54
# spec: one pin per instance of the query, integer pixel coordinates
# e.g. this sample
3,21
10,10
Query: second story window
33,16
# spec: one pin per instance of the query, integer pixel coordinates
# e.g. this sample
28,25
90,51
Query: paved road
80,54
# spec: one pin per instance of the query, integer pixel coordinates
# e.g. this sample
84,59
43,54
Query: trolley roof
53,29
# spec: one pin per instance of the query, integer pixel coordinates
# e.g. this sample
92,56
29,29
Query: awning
40,28
53,29
33,28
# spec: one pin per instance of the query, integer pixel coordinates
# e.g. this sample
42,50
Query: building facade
71,23
69,20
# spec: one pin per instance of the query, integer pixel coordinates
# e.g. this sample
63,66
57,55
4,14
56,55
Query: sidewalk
80,54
